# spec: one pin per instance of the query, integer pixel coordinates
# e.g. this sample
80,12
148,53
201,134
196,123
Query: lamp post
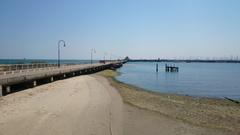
104,57
59,43
92,51
110,57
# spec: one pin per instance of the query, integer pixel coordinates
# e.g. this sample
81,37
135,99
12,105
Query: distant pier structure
169,68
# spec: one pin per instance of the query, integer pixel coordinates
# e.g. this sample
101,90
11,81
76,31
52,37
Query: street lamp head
63,43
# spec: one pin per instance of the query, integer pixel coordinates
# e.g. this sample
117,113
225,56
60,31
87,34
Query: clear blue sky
134,28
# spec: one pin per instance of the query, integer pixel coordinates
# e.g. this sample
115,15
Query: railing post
1,91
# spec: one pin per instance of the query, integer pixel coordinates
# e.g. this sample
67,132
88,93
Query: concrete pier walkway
14,79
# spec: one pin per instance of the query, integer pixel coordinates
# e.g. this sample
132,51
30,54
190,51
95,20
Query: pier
14,78
185,60
171,68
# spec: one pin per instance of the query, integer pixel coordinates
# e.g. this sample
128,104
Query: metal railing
24,68
20,68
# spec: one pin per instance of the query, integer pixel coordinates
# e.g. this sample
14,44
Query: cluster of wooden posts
168,68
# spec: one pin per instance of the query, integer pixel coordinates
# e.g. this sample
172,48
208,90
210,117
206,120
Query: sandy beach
77,106
96,105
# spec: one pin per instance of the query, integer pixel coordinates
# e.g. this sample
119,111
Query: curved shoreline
90,104
205,112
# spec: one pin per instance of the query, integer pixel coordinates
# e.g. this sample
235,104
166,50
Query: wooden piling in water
171,68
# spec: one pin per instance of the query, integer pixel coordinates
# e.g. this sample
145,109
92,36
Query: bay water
216,80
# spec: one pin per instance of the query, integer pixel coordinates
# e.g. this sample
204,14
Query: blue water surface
217,80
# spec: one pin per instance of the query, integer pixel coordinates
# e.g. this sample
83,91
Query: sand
86,105
77,106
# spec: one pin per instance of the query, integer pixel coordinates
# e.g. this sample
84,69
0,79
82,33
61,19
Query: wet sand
211,116
90,105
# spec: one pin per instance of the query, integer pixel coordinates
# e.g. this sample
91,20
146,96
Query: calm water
216,80
29,61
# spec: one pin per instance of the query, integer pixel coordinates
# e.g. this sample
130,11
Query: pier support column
51,79
64,75
1,90
34,83
8,89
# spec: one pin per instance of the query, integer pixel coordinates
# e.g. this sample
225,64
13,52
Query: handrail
22,68
14,67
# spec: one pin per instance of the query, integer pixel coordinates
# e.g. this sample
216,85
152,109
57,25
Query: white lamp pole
59,43
92,51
